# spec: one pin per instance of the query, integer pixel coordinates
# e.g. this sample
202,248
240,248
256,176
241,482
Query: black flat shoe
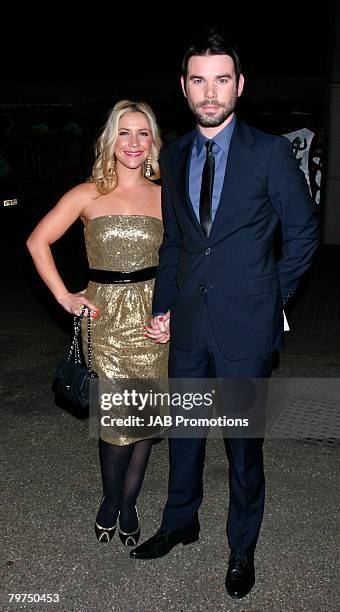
163,541
130,538
240,577
104,534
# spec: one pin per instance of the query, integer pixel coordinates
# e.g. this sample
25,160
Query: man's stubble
213,119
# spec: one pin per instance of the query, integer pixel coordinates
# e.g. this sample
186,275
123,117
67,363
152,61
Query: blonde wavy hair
103,172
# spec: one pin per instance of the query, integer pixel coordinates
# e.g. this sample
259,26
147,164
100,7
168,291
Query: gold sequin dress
124,243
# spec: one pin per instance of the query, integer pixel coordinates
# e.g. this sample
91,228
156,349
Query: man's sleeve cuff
287,297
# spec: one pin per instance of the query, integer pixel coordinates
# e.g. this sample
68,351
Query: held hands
159,328
74,302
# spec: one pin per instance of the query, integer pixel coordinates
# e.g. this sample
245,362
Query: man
227,187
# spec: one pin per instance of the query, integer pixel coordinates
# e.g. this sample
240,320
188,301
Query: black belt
110,277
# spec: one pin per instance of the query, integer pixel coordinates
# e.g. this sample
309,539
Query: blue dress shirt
220,151
198,155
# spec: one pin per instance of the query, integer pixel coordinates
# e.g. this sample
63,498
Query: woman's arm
70,207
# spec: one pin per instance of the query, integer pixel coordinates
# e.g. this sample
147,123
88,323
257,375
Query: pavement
51,485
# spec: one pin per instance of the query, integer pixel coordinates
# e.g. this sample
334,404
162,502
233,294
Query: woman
120,207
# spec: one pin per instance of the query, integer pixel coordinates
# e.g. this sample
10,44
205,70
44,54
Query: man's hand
159,328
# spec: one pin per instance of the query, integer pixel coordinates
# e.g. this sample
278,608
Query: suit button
207,251
203,288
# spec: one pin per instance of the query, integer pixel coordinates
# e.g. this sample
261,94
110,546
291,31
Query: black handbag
72,377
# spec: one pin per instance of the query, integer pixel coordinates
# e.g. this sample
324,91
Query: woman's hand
156,335
74,302
159,329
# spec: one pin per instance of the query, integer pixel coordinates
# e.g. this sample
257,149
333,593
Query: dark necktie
207,189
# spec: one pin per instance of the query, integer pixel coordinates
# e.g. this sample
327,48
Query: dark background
101,42
63,68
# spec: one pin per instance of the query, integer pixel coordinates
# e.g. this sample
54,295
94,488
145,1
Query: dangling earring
148,166
112,170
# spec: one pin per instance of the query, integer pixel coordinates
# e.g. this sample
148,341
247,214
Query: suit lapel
238,152
181,167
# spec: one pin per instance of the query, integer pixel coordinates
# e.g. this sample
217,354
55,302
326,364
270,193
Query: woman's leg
114,461
128,520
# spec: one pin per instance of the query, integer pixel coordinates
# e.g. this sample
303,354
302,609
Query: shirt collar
222,138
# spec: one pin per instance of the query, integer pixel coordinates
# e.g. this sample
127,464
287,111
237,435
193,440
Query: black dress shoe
163,541
240,577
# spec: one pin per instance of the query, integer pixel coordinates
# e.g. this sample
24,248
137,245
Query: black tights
123,469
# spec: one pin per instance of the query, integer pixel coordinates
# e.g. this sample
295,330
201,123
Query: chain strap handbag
72,378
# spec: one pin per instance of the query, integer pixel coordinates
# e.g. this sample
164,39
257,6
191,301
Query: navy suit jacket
235,268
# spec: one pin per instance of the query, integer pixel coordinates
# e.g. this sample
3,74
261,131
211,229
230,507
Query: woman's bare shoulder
86,191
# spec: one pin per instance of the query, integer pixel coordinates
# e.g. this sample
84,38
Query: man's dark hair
212,41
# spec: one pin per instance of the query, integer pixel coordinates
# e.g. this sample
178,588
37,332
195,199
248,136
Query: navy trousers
187,455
